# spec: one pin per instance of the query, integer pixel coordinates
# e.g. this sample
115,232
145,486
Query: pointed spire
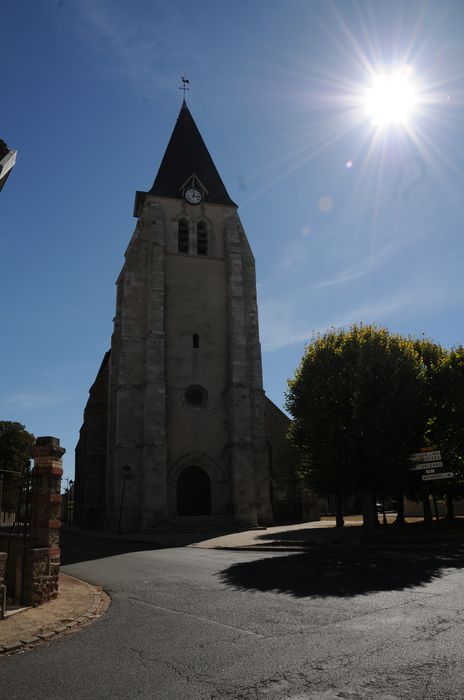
186,154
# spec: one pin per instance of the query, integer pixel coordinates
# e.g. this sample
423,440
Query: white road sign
432,477
427,465
432,456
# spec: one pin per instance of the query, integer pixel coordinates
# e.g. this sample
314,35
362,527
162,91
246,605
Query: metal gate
16,528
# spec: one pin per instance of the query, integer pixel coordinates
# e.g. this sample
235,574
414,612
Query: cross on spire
185,82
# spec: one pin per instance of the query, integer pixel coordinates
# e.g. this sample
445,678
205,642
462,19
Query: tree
446,429
431,355
357,400
16,445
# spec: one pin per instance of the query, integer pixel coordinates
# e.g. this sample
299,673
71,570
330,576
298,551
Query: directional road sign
432,456
427,465
432,477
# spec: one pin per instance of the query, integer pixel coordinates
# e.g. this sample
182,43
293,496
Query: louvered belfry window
202,238
183,236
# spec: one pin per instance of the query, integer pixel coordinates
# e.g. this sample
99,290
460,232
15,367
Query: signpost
427,460
427,465
430,456
441,475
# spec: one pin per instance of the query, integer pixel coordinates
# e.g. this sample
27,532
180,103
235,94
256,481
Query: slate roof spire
186,154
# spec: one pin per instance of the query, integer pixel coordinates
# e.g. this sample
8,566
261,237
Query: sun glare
391,99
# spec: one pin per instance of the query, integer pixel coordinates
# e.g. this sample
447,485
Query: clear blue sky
89,97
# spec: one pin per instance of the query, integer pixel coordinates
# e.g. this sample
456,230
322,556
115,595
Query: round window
195,396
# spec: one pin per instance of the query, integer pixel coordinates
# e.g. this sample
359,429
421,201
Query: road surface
196,623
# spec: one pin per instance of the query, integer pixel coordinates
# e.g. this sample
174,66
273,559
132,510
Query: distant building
7,161
177,430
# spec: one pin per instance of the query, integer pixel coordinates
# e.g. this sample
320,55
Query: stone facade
92,451
291,499
181,389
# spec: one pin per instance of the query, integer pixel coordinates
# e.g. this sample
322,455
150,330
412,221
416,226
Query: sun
390,99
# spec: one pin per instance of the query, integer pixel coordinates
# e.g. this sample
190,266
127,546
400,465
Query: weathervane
185,82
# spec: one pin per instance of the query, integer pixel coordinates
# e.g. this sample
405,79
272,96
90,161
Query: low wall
15,545
413,509
40,577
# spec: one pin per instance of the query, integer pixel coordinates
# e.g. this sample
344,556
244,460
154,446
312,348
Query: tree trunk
339,510
370,519
400,509
428,521
449,506
374,506
435,507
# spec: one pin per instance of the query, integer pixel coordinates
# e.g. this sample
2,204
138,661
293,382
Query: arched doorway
193,492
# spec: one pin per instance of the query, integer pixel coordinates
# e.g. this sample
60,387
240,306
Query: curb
97,608
276,546
338,546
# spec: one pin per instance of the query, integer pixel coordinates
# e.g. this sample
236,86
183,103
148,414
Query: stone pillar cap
47,443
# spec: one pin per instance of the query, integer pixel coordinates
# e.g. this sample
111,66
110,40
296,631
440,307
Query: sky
350,220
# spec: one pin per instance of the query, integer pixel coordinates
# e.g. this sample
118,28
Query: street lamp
126,473
70,503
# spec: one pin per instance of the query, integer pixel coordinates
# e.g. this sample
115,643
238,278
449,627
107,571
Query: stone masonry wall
290,499
42,561
40,576
91,459
246,443
136,430
255,380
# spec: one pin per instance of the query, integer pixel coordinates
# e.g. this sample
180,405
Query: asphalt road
195,623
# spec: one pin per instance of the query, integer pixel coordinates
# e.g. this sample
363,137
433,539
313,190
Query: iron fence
16,494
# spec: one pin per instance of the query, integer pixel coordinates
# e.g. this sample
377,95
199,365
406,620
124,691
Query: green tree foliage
447,424
358,405
431,356
16,445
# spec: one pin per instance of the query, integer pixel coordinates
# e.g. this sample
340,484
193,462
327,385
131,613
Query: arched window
196,340
202,238
183,236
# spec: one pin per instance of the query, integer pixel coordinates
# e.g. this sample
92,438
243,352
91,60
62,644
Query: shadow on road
341,574
75,549
320,532
315,533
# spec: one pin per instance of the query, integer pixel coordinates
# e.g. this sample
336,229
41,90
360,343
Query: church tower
175,423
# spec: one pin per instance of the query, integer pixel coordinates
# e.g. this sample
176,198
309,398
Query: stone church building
177,428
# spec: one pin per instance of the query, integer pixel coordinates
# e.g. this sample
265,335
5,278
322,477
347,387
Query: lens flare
391,99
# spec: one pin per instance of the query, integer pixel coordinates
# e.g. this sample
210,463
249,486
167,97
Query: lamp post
70,503
126,472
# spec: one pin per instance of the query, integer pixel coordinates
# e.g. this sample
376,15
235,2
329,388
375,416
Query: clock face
193,196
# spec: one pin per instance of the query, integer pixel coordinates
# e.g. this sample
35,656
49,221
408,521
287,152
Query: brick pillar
43,561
